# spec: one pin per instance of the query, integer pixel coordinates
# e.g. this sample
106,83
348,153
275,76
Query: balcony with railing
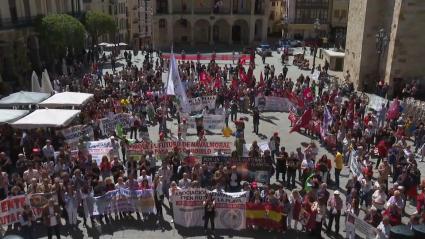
15,23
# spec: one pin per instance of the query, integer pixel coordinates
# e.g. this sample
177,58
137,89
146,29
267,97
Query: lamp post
316,26
285,25
381,38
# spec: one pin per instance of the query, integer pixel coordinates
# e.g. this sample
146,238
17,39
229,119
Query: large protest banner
196,148
199,103
264,145
73,134
124,200
273,103
376,102
189,211
249,168
107,125
360,227
210,122
230,210
12,207
98,149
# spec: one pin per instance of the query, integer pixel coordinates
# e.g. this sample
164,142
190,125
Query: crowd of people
38,161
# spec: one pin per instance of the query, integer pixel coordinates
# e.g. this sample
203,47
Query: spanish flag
263,215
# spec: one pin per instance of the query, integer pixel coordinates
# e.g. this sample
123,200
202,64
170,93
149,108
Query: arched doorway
258,30
201,31
221,31
182,30
240,31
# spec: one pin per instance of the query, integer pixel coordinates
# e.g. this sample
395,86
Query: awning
46,118
66,99
9,116
23,98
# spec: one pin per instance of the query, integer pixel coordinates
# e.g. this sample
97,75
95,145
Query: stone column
211,34
231,7
170,6
192,7
170,31
252,7
251,30
192,35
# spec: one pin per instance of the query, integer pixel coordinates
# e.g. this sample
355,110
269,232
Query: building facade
19,48
338,22
302,14
140,20
403,22
277,14
209,22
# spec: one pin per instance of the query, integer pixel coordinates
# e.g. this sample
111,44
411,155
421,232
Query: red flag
308,94
234,83
204,78
303,121
243,60
394,109
295,99
243,76
217,83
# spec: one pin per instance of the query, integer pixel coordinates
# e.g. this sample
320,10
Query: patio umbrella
35,85
46,84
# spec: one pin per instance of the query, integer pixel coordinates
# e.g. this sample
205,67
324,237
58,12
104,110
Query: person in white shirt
31,173
185,182
172,192
48,151
144,175
383,229
71,206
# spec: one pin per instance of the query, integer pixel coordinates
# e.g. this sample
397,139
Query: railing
9,23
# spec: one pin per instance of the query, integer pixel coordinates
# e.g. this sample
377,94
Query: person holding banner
158,196
209,212
51,218
26,220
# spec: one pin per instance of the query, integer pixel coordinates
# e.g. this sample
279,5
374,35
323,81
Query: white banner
98,149
230,208
209,122
273,103
355,166
375,102
199,103
264,145
73,134
360,227
107,125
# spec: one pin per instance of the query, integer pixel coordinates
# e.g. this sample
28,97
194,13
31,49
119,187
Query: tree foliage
98,24
59,32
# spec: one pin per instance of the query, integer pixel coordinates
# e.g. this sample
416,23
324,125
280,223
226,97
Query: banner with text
124,200
210,122
98,149
199,103
196,148
230,208
273,103
249,168
107,125
73,134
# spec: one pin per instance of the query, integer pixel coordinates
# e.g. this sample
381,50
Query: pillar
170,31
192,7
252,7
192,35
211,34
251,30
231,35
264,30
231,9
170,6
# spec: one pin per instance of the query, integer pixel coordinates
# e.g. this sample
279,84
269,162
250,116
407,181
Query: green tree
99,24
61,32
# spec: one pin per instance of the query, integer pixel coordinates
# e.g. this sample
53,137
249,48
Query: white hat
336,192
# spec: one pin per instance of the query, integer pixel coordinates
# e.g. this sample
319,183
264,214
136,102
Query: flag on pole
170,82
35,85
179,90
46,85
303,121
327,120
243,76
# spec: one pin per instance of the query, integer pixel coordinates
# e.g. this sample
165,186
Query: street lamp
381,43
316,26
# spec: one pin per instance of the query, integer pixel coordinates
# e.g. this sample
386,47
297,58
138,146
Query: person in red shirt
105,167
393,214
420,199
382,152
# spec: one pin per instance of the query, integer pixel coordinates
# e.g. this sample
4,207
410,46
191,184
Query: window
343,13
336,13
162,23
13,11
272,15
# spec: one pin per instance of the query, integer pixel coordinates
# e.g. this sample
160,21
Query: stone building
140,13
399,63
209,22
18,42
277,13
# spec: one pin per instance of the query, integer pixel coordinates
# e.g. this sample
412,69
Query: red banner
208,57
